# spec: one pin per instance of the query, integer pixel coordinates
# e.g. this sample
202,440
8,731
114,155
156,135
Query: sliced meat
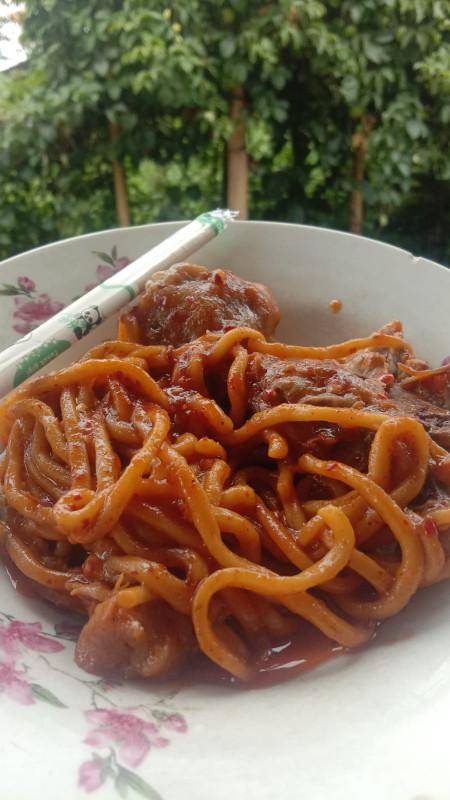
426,401
187,301
146,641
434,389
434,418
271,381
372,362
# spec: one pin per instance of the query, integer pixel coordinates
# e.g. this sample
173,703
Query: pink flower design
91,775
23,329
9,645
105,271
175,722
26,284
133,736
121,263
33,312
12,684
27,634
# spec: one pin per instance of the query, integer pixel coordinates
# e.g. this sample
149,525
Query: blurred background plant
326,112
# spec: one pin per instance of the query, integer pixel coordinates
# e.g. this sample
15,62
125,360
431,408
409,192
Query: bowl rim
347,235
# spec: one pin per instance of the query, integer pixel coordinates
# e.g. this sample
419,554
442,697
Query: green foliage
310,71
181,190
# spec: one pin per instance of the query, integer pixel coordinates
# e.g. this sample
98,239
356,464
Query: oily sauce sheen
306,649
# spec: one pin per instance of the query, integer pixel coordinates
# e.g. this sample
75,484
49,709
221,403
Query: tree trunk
120,183
237,161
359,144
357,200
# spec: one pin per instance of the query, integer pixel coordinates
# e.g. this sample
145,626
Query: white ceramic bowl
368,725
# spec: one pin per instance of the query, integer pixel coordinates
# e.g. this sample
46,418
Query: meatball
186,301
143,642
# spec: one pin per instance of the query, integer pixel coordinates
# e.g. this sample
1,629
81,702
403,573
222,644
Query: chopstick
59,333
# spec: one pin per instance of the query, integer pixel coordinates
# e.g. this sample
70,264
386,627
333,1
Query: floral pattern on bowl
110,264
120,738
32,307
15,639
128,739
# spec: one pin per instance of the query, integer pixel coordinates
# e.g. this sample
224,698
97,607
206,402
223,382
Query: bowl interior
305,267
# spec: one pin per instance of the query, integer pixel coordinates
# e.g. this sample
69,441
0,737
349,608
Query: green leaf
104,257
121,784
137,784
101,67
374,52
415,128
46,696
9,289
113,90
445,114
356,13
350,88
227,47
114,253
239,72
279,113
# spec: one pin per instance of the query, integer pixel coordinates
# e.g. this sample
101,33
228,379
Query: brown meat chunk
428,401
143,641
372,362
271,381
434,418
186,301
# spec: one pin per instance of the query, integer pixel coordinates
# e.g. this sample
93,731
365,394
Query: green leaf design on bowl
45,695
